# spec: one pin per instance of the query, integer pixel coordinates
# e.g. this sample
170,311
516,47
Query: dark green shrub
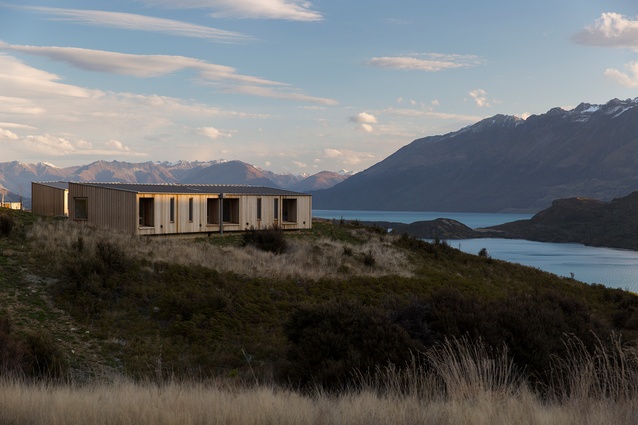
7,223
33,355
329,343
45,357
270,239
368,259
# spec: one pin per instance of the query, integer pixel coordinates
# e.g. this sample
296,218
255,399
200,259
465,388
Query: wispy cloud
142,66
610,30
627,79
347,157
138,22
149,66
429,62
81,122
292,10
406,112
279,94
212,133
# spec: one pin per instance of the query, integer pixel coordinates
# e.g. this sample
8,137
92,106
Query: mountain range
16,177
504,164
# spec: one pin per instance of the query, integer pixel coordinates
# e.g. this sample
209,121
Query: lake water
614,268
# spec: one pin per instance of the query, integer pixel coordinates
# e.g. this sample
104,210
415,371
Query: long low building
165,209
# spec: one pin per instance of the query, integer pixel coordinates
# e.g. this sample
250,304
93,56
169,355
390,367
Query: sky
293,86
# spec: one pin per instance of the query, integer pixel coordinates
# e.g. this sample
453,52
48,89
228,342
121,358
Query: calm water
611,267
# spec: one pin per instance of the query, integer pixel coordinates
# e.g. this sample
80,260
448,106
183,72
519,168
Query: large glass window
171,212
190,210
231,210
81,208
276,208
289,210
258,208
147,213
212,211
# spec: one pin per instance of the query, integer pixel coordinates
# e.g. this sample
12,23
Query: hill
79,302
504,164
611,224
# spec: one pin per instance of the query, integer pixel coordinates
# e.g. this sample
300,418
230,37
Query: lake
615,268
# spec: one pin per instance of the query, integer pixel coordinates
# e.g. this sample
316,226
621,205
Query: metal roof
179,188
56,185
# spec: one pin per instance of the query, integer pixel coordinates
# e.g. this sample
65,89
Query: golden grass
306,259
470,387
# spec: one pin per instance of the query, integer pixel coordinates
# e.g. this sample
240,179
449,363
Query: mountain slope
321,180
16,177
504,163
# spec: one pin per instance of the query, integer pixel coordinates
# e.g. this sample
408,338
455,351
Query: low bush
328,343
7,223
34,355
270,239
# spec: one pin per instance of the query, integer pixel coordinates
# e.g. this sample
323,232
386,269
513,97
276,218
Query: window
212,211
171,212
147,215
276,209
231,210
190,210
289,210
81,208
258,208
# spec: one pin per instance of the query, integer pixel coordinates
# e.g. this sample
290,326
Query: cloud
6,134
138,22
480,98
116,145
431,114
610,30
433,62
300,164
141,66
363,117
628,79
345,156
73,115
364,121
291,10
212,133
277,94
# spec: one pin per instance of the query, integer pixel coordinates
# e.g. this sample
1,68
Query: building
50,198
166,209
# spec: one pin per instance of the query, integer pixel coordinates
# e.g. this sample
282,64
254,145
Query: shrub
328,343
7,223
270,239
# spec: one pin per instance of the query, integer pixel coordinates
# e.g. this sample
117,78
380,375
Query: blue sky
291,85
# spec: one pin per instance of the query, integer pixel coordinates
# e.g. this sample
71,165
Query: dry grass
306,259
485,396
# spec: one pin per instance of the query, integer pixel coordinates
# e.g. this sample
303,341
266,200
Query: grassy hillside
85,303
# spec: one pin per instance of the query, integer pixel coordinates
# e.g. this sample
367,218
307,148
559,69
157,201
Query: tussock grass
304,258
478,390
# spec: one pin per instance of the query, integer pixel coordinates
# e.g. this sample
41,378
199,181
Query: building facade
167,209
50,198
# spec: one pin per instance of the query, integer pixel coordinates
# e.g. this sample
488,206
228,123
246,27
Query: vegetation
343,311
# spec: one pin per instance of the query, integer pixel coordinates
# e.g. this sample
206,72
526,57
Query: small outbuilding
168,209
50,198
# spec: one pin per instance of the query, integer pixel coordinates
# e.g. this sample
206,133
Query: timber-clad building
166,209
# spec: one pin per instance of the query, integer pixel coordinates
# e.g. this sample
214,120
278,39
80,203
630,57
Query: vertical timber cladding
50,198
177,209
107,208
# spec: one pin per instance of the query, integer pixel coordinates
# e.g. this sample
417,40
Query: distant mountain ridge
504,164
16,177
